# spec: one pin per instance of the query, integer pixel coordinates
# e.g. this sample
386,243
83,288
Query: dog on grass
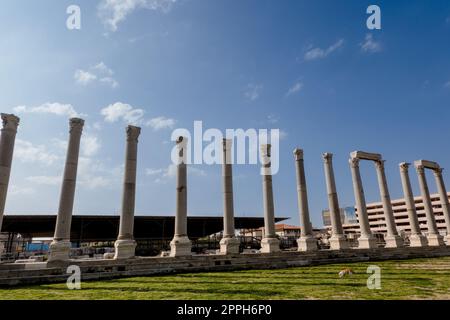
345,272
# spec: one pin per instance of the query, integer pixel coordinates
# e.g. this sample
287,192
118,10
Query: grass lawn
407,279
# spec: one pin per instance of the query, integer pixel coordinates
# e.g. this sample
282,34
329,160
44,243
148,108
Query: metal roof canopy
105,227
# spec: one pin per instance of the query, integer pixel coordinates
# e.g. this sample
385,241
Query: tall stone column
366,240
269,243
416,239
337,240
433,236
229,243
180,244
60,246
306,242
393,240
125,244
7,140
444,200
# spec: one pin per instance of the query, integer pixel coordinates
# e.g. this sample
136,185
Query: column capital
133,133
298,154
76,124
404,166
327,157
181,144
226,144
354,162
420,169
10,121
380,164
438,171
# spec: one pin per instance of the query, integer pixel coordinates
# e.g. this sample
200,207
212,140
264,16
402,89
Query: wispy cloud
45,180
124,112
296,87
319,53
113,12
15,190
28,152
253,91
447,85
165,174
60,109
99,72
370,45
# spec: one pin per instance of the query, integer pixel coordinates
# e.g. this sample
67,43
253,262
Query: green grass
407,279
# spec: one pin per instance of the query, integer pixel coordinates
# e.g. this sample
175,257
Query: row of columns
181,245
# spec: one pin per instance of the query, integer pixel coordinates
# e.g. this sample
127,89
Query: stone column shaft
444,200
337,240
7,141
306,242
433,236
416,238
228,244
366,240
125,244
60,247
392,239
269,243
180,244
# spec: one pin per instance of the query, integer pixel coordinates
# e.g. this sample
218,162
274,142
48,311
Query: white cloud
447,85
122,111
99,72
90,145
20,191
271,118
319,53
84,77
56,108
370,45
152,172
295,88
253,91
94,182
45,180
161,123
27,152
112,12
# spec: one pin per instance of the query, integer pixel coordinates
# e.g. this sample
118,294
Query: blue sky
310,68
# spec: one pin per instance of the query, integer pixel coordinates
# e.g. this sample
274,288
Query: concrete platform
42,272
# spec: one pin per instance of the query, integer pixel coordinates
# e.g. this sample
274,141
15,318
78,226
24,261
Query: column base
270,245
367,242
393,242
338,242
435,240
125,249
418,240
307,244
180,246
59,250
229,245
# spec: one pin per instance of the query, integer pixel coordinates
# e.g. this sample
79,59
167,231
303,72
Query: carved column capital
379,164
327,157
133,133
354,162
10,121
420,169
76,125
181,144
226,144
438,172
298,154
404,166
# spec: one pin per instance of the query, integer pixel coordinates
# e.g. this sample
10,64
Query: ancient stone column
416,239
7,140
60,246
180,244
337,240
269,243
433,236
306,242
444,200
125,244
229,244
366,240
393,240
